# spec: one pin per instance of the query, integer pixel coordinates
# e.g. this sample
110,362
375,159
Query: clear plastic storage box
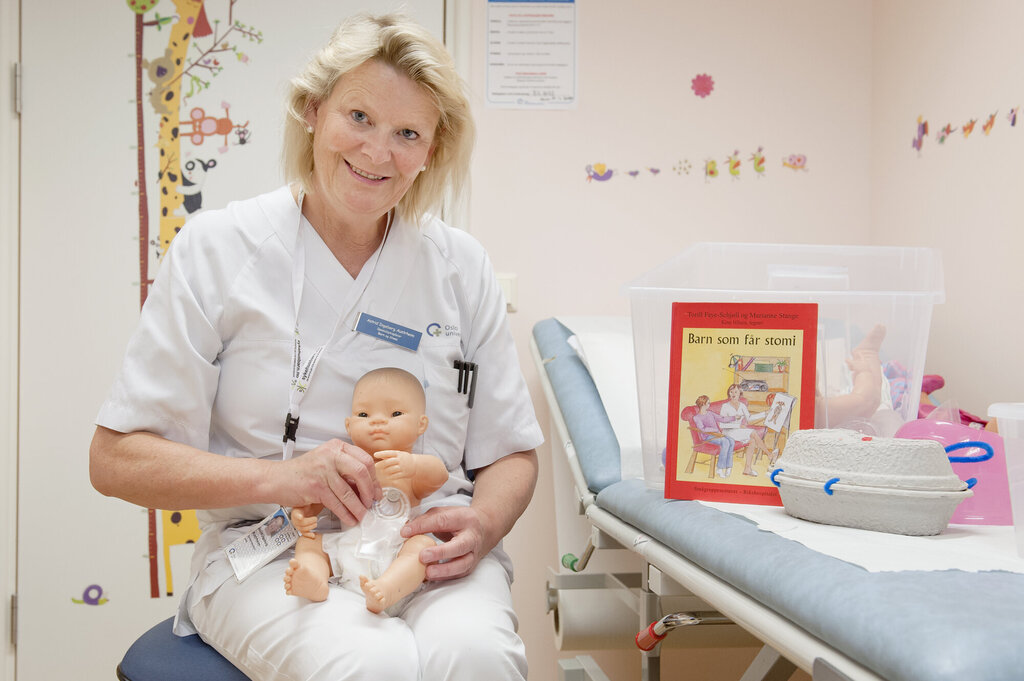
855,287
1010,421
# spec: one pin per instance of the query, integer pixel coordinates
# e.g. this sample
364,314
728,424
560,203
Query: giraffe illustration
169,140
165,73
177,528
177,181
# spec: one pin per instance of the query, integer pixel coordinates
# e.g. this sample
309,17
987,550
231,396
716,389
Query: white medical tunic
210,363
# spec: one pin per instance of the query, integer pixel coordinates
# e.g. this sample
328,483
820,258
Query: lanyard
302,371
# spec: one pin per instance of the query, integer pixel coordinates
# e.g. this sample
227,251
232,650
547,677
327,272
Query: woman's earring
309,129
423,168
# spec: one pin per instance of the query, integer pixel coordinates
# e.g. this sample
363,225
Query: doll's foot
873,341
300,580
865,356
752,473
377,598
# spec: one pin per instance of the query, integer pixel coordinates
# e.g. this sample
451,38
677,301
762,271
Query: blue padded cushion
582,410
905,626
159,655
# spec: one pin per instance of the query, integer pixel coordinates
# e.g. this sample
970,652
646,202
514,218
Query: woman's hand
501,493
336,474
464,531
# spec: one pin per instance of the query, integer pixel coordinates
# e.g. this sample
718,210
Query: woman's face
371,137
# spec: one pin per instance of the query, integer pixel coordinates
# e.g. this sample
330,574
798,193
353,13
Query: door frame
10,157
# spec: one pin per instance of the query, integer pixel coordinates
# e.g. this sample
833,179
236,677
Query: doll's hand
393,464
305,518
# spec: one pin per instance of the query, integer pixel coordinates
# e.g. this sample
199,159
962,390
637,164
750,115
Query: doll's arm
431,475
426,472
395,464
304,519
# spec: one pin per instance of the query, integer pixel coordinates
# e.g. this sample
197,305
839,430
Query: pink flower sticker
702,85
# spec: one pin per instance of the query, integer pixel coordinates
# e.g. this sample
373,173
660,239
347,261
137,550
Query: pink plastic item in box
990,504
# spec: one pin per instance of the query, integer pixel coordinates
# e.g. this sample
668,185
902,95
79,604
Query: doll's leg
309,570
402,577
866,395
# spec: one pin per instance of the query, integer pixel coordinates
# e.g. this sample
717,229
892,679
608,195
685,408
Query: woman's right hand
336,474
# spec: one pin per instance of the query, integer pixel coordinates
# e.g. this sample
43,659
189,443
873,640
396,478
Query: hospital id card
261,544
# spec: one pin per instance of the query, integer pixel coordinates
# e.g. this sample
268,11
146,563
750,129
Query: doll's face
734,392
386,414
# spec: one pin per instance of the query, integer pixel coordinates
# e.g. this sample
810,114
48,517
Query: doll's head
388,411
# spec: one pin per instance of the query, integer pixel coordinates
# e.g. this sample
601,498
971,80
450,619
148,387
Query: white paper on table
971,548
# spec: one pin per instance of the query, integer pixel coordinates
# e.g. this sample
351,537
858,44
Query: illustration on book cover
741,379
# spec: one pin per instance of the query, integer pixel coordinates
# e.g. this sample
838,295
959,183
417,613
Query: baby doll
866,396
387,417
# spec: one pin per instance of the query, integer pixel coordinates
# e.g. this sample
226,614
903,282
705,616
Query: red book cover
742,377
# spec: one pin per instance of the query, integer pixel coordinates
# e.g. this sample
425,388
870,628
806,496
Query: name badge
262,544
399,335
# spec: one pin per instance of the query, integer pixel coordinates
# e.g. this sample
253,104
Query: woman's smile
365,174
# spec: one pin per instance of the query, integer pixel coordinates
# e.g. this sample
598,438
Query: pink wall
792,76
950,62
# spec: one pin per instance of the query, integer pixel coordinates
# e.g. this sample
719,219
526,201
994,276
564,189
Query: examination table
831,618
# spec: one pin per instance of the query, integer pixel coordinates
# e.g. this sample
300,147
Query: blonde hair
404,45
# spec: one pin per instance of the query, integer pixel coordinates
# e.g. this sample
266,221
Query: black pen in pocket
466,384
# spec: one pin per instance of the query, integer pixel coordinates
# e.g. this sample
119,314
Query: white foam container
855,288
894,485
1010,421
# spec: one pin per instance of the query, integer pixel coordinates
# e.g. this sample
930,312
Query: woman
265,313
736,412
709,425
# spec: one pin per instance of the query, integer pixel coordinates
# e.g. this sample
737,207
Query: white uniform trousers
460,629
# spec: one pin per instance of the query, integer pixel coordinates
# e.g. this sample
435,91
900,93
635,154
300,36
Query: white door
93,573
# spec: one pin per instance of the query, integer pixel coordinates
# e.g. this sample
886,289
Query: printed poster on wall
741,379
531,54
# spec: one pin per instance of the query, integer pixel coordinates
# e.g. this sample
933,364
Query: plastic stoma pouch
381,539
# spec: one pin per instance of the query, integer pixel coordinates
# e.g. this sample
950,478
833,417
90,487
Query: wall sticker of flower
702,85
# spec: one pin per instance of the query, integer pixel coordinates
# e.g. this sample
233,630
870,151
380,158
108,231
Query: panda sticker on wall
193,175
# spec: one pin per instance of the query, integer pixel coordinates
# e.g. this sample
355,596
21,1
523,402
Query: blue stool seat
159,655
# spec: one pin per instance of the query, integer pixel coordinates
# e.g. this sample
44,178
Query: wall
792,76
950,62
